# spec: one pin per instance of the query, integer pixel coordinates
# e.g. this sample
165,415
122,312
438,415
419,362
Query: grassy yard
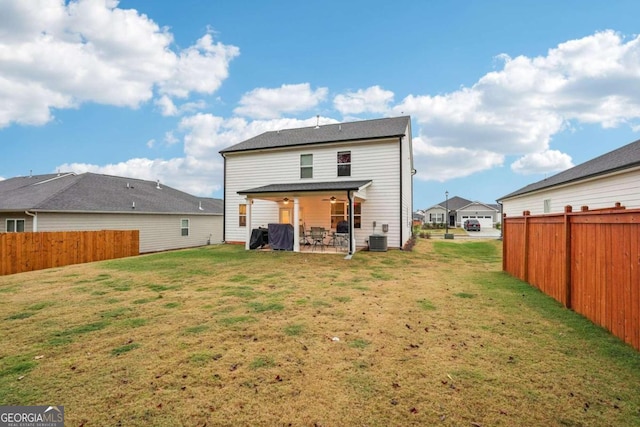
221,336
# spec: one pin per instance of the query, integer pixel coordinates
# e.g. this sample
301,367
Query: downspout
401,223
35,220
351,218
224,199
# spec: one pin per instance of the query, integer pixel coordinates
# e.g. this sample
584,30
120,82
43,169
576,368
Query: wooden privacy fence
587,260
21,252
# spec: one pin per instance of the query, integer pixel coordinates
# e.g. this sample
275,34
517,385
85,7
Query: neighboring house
460,210
167,218
597,183
317,176
418,219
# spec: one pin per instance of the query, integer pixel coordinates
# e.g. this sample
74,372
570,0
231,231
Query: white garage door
485,221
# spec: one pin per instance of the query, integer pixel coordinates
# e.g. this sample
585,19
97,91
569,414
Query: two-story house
359,172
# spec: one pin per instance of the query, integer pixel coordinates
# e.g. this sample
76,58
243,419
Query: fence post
505,246
567,255
525,252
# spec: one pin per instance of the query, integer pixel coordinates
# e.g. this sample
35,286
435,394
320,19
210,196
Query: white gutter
35,219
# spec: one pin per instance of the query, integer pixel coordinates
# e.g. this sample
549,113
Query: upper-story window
344,163
306,165
15,225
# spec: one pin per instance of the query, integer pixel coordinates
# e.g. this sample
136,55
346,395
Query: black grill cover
259,238
342,227
281,237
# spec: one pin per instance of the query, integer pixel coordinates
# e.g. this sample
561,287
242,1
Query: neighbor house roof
623,158
453,203
90,192
350,131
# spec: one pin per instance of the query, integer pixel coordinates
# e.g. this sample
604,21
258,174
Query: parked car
472,225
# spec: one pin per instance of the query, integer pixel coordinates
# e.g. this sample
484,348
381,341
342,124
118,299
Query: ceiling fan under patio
333,199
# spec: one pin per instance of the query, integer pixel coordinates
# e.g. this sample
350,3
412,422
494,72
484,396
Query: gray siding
157,232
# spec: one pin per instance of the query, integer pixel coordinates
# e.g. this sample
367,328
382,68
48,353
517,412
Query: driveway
485,233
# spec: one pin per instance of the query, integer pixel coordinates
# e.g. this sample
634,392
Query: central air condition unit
378,243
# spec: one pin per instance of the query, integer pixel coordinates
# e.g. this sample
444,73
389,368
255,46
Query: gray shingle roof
308,186
350,131
623,158
454,203
89,192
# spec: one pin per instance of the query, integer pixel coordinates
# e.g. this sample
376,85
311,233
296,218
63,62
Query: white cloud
200,68
440,164
58,55
371,100
265,103
169,138
151,143
200,170
544,162
166,105
169,108
518,109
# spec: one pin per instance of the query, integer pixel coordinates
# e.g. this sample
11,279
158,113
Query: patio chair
340,241
317,237
304,236
340,238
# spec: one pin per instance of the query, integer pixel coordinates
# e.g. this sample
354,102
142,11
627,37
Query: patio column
296,224
352,234
247,242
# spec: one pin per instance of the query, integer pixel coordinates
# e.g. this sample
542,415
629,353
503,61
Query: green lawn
223,336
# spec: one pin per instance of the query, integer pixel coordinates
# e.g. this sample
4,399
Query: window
340,212
184,227
344,163
547,205
436,217
15,225
306,165
242,215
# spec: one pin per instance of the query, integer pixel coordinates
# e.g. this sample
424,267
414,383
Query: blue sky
501,93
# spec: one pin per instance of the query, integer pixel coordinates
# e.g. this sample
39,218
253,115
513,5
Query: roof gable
469,206
339,132
623,158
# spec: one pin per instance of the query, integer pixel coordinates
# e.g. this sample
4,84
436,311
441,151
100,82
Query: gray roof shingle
350,131
625,157
89,192
308,186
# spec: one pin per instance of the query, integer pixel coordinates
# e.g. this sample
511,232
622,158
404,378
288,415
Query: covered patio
310,208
